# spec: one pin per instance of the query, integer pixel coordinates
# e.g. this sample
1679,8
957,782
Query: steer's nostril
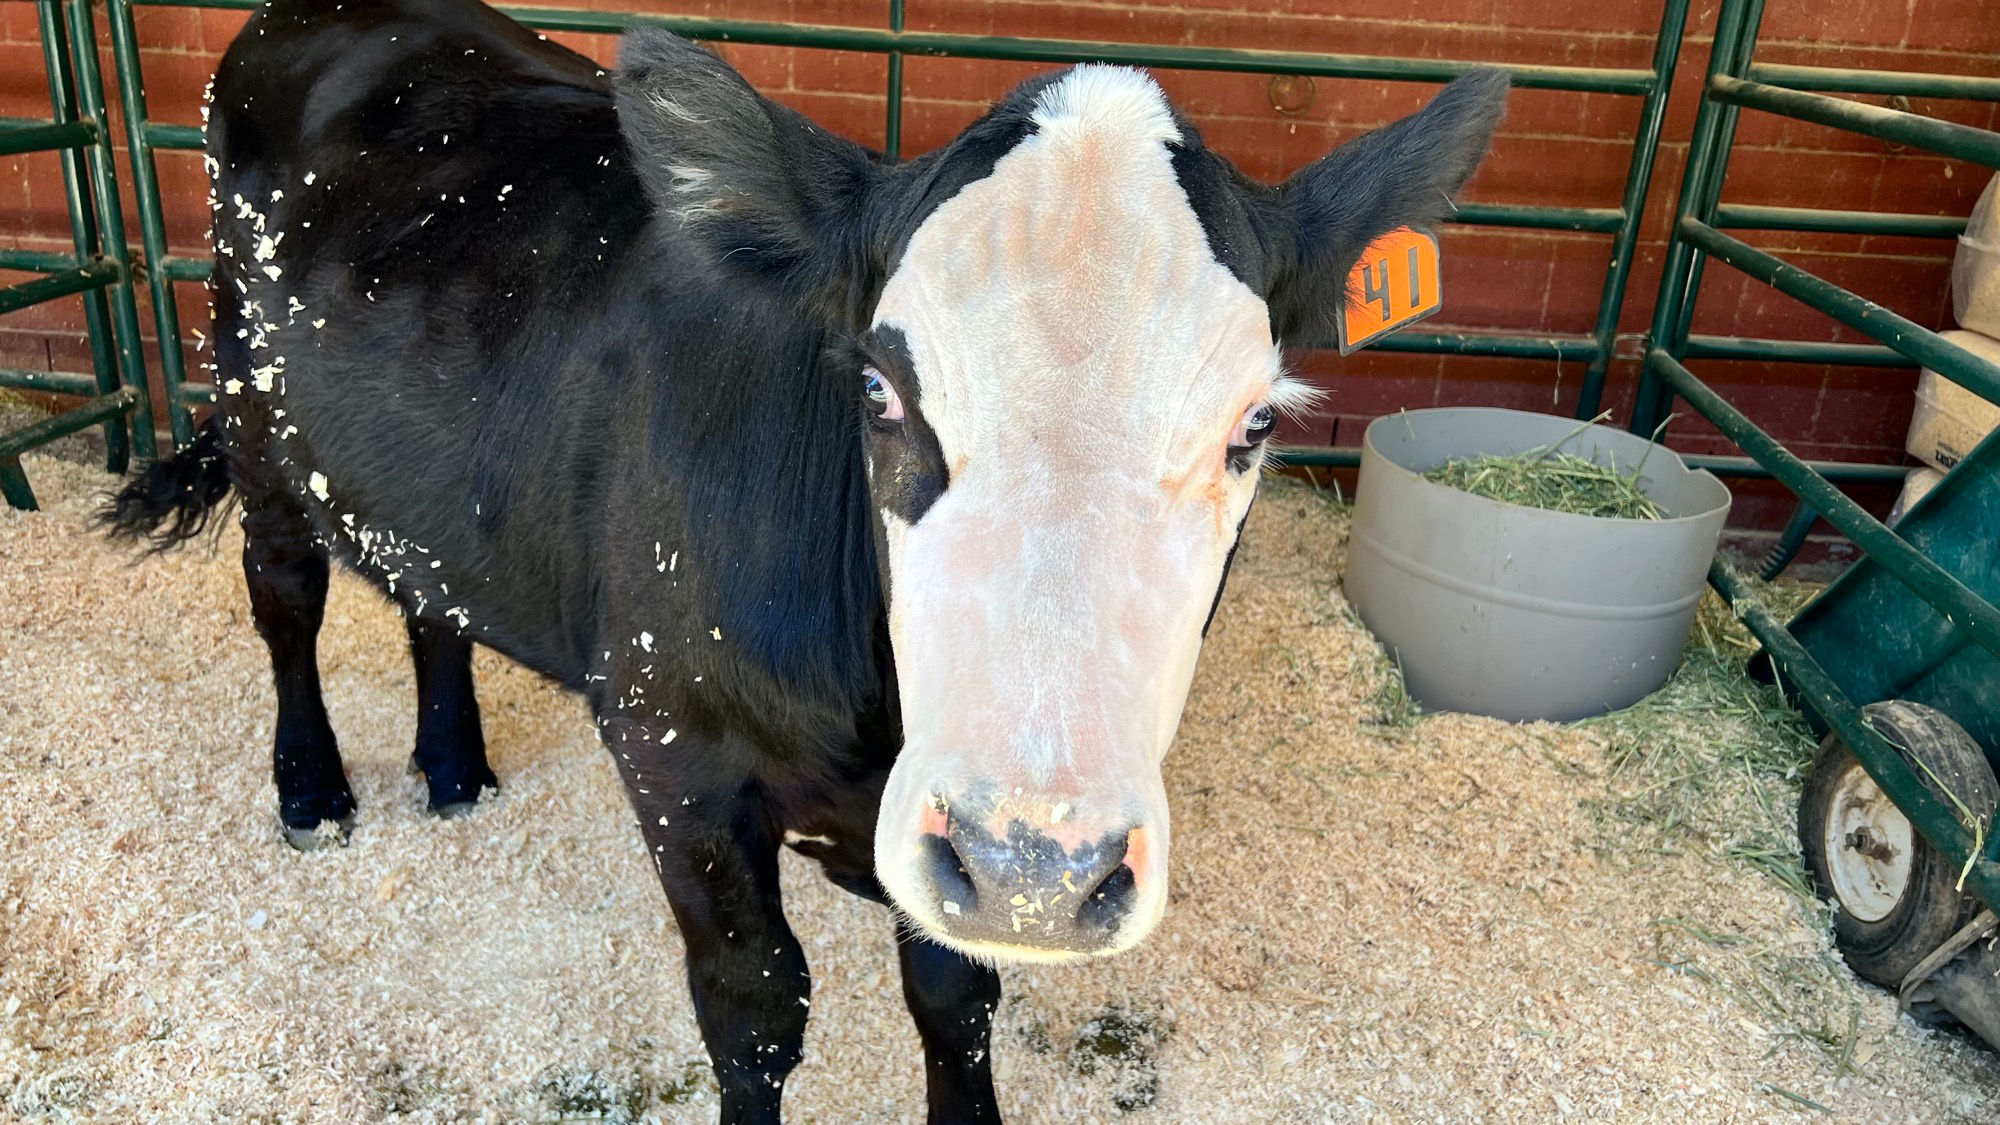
952,883
1105,908
1028,875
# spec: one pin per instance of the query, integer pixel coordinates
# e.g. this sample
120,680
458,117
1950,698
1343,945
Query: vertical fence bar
1701,188
111,226
82,223
1638,179
14,488
892,126
1738,62
152,223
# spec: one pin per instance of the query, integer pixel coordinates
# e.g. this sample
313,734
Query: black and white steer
878,509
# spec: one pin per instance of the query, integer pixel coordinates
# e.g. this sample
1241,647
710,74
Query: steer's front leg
718,861
952,998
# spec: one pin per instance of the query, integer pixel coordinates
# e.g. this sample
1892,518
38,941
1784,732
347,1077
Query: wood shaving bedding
1373,917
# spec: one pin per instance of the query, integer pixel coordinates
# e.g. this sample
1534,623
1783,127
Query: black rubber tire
1931,908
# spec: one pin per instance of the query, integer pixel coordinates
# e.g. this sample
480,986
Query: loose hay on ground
1374,915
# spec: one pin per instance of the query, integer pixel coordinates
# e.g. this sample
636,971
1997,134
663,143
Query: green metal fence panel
1735,83
104,220
96,270
1595,350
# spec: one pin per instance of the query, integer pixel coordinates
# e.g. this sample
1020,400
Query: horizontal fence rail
75,279
1946,137
1908,83
1837,222
1799,351
18,136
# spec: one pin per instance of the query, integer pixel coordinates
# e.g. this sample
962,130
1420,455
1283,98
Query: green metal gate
1651,85
97,269
1736,82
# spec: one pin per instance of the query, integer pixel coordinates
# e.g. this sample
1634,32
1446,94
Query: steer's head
1062,335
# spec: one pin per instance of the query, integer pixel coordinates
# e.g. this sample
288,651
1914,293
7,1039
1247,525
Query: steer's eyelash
1293,398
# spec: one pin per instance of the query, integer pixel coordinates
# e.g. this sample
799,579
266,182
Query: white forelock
1118,99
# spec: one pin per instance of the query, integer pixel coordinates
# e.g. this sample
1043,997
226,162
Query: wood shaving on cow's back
1374,916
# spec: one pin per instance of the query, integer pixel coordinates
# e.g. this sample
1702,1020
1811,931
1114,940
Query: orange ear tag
1394,285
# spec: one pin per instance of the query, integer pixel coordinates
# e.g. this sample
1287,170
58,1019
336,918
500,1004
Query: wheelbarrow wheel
1894,897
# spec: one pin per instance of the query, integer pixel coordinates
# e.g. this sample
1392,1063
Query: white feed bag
1917,484
1975,273
1949,420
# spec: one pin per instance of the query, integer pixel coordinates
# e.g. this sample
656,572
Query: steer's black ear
773,195
1402,174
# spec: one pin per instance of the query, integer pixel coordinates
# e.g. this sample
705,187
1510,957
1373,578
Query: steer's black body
568,366
527,376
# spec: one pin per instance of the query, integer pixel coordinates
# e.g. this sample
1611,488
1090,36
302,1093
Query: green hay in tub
1556,482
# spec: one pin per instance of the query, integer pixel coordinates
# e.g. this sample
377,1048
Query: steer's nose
1031,875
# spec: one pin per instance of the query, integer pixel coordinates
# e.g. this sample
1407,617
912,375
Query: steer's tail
169,502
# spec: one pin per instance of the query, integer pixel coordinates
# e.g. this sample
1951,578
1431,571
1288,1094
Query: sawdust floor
1370,920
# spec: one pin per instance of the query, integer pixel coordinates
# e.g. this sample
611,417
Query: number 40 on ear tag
1394,285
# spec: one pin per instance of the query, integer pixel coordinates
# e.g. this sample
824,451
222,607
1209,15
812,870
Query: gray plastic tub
1516,612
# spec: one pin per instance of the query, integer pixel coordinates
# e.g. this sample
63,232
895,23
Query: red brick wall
1554,148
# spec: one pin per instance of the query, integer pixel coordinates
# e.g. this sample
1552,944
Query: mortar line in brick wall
43,337
40,241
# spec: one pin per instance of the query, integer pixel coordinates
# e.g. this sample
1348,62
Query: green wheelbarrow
1901,918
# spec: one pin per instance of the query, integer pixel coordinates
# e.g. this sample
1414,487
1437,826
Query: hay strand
1546,478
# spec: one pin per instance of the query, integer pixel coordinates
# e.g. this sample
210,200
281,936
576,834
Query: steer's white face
1096,384
1070,369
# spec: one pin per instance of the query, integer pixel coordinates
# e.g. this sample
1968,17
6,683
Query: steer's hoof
454,791
455,810
325,834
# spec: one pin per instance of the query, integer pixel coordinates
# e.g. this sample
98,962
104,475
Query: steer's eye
883,401
1255,427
